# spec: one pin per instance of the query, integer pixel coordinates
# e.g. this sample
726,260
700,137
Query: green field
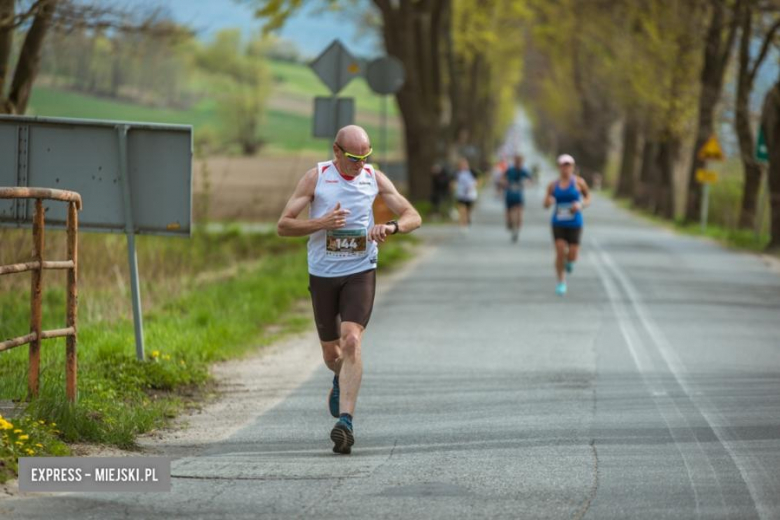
300,80
282,130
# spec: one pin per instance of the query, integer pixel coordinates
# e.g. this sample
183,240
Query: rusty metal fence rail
37,266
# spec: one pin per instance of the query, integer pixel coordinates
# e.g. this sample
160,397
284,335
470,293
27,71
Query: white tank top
348,250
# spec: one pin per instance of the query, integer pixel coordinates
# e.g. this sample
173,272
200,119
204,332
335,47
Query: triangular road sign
711,150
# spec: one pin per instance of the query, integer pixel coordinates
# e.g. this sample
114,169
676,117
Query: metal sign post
762,156
132,257
710,150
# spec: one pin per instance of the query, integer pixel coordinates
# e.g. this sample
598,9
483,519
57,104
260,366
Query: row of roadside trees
653,70
658,71
138,56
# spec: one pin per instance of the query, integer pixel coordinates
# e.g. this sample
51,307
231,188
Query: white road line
676,367
644,366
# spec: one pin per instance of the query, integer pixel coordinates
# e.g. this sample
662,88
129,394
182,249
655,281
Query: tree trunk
30,58
716,56
6,42
770,122
666,157
643,196
745,79
412,32
628,163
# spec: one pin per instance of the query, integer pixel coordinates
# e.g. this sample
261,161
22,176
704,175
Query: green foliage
241,81
25,437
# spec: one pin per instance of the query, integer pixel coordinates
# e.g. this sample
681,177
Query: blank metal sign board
330,114
83,156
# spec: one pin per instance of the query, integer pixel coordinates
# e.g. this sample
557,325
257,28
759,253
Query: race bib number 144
346,242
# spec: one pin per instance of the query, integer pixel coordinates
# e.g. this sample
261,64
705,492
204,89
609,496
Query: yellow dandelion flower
42,421
38,444
29,451
18,443
24,437
166,357
53,424
17,430
155,354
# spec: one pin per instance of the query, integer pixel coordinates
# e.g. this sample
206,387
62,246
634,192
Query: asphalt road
651,390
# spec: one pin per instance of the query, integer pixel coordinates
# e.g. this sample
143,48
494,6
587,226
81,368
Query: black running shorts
570,235
342,298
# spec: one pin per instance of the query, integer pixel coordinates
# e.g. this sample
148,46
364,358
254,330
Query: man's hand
576,207
380,232
337,218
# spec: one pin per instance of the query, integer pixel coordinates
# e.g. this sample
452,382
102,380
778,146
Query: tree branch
764,50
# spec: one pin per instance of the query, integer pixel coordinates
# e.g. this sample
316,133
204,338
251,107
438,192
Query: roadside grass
213,316
724,208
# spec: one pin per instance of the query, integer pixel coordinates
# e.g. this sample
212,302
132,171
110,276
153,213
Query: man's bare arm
408,217
290,225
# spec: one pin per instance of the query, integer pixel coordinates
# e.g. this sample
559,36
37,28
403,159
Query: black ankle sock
346,416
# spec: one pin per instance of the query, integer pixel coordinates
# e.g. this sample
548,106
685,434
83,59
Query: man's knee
350,344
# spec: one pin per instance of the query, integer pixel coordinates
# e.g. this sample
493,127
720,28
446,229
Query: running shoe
515,235
569,267
342,437
333,398
560,289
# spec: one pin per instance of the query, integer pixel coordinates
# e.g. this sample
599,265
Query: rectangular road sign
84,156
330,114
706,176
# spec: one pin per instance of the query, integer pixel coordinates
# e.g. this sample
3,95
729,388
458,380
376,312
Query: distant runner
465,192
342,255
570,195
513,181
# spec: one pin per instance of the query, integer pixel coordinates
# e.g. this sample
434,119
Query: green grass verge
120,397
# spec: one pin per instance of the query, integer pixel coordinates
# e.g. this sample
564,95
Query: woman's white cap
565,159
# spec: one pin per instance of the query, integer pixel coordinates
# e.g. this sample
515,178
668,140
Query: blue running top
514,179
563,216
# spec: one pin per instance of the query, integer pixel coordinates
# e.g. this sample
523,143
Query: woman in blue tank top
569,195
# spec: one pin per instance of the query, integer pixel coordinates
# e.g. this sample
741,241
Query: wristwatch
393,223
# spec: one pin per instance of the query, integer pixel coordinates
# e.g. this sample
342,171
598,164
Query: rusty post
71,361
37,294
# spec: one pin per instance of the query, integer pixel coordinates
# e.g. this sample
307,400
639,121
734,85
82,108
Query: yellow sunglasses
355,158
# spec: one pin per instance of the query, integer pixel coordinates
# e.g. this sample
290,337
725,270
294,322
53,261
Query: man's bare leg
331,354
351,373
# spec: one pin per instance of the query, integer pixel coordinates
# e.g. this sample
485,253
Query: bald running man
343,254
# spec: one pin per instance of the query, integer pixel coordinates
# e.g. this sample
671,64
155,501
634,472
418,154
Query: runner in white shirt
465,192
343,255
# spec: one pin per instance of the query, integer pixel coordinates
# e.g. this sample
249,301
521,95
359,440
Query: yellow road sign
711,150
706,176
